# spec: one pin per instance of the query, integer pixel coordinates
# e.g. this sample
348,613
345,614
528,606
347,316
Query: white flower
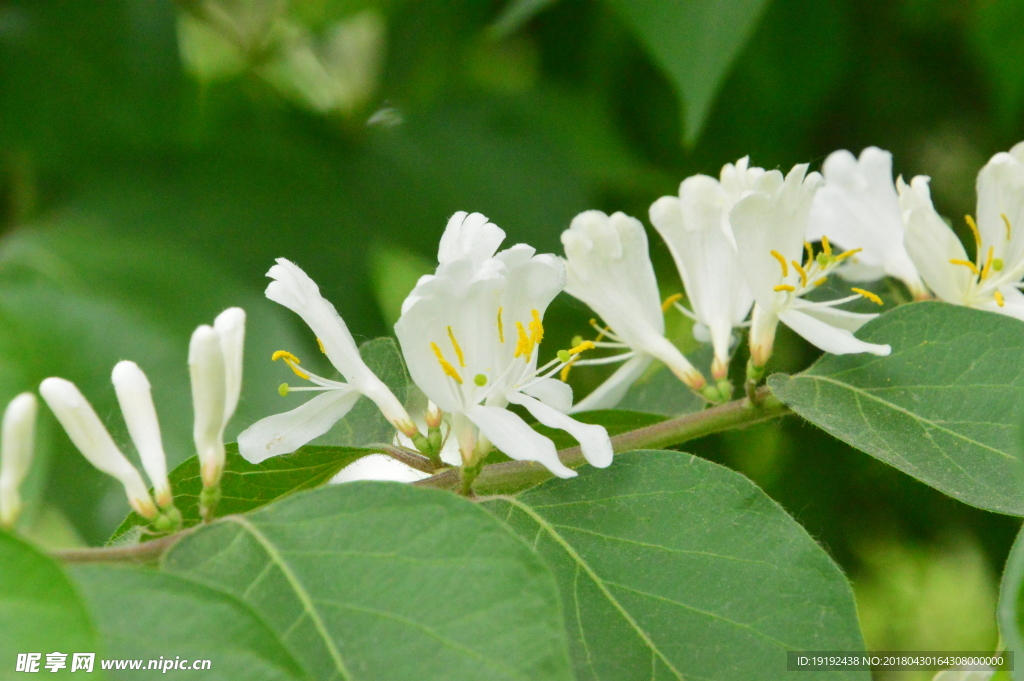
134,396
608,267
769,224
470,336
696,228
857,207
992,281
284,433
87,433
215,366
17,435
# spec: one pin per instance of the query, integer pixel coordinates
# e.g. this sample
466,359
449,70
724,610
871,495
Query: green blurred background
156,157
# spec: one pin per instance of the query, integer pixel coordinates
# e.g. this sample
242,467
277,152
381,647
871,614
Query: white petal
134,396
17,437
378,467
91,438
552,392
469,236
593,439
230,326
932,244
295,290
209,385
1001,192
615,387
842,319
829,338
284,433
510,434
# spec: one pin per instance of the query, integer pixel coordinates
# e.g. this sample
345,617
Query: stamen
321,344
1000,301
458,350
785,287
802,272
536,328
292,361
601,331
448,369
565,355
810,252
988,263
821,281
869,295
974,229
782,262
846,254
1006,221
564,373
585,345
825,245
966,263
667,303
523,345
501,328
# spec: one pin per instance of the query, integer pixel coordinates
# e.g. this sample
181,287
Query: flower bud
209,393
133,394
16,447
87,433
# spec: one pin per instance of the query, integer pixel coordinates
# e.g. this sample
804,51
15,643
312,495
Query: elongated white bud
230,327
133,393
209,387
87,433
17,437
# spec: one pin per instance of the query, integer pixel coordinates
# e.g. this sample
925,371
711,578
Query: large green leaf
1011,604
695,43
672,567
40,612
144,615
944,407
246,486
374,580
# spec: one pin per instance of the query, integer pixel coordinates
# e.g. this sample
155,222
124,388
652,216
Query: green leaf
373,580
615,421
944,407
40,612
246,486
695,44
661,392
515,14
996,37
672,567
145,615
1011,604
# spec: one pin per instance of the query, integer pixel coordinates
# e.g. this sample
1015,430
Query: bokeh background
155,157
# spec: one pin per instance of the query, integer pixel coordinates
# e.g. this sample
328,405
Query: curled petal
593,439
284,433
512,435
829,338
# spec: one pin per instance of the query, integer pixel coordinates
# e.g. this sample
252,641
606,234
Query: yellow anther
501,327
974,229
802,272
458,350
291,360
810,252
670,300
1006,221
321,344
536,328
585,345
523,345
782,262
826,246
785,287
821,281
987,269
600,331
869,295
448,369
1000,301
966,263
847,254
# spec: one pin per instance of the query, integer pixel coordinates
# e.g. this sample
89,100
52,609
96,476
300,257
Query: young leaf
944,407
145,615
695,43
373,580
246,486
40,612
672,567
